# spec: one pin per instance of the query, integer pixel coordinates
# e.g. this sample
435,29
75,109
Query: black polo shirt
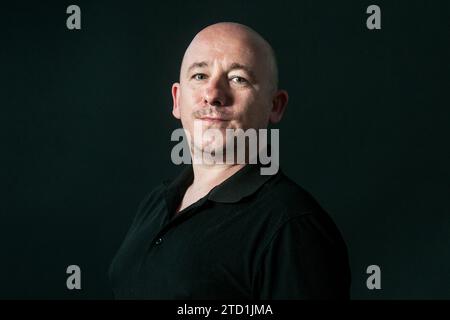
251,237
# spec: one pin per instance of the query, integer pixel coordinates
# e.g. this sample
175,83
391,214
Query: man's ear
176,99
279,103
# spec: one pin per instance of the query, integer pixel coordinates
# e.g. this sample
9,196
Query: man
224,230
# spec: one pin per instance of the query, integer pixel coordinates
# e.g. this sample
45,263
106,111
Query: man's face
225,83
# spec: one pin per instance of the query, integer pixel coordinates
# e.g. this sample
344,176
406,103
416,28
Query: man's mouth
211,115
213,119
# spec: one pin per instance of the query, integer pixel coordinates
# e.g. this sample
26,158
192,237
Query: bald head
228,80
228,35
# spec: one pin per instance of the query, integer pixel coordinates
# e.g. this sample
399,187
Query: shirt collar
241,184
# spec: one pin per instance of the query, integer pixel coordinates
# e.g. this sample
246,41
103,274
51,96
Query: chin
209,151
213,149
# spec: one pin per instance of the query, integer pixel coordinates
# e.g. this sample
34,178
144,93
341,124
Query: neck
207,177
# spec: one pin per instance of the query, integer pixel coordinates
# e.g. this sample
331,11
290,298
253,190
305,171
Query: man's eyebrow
237,66
201,64
234,66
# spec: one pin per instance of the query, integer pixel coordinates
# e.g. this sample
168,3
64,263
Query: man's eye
199,76
239,80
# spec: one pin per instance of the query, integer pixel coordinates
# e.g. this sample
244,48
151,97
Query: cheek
186,102
251,111
192,94
244,102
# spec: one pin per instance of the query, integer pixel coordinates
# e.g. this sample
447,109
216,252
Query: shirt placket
180,218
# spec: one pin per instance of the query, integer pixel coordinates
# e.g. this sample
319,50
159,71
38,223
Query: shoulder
288,199
152,196
289,208
149,202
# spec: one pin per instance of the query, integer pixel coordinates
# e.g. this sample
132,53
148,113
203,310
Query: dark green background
86,122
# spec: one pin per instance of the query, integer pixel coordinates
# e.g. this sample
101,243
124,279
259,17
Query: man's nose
216,93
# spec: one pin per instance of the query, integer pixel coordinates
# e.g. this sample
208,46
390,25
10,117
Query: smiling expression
227,81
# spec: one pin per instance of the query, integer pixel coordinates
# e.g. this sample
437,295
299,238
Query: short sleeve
305,259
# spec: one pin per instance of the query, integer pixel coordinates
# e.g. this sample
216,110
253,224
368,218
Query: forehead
223,50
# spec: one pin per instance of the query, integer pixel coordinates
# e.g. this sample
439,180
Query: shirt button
158,241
